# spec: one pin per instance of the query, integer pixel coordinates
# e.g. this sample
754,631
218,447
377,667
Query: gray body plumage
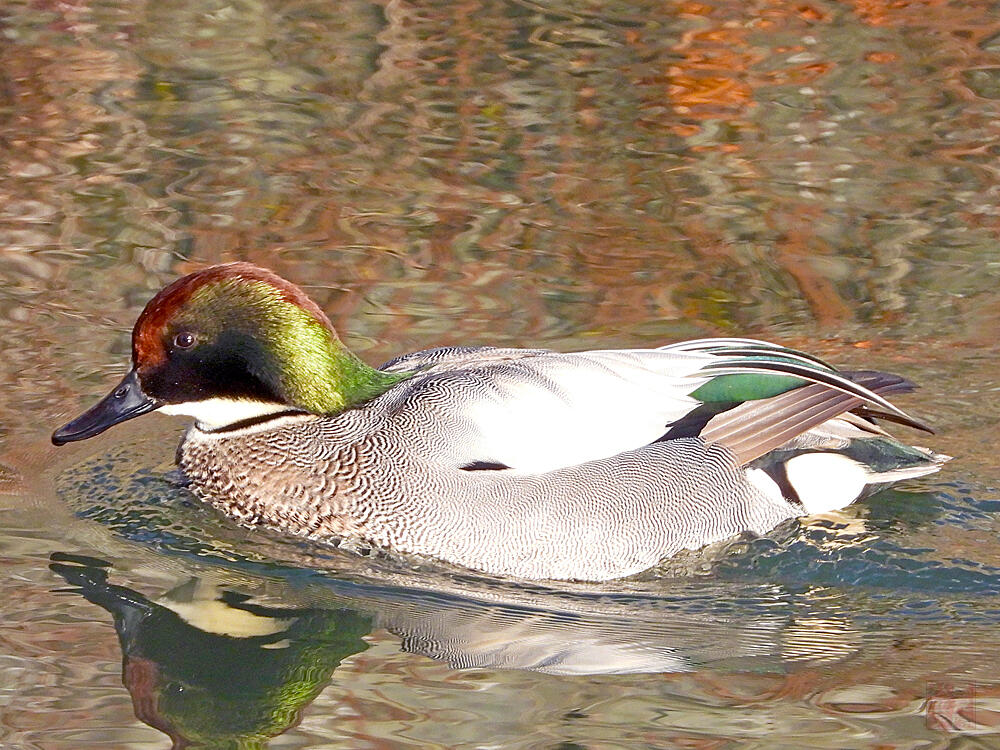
480,458
404,471
359,475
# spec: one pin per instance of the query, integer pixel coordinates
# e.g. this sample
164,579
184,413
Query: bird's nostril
121,392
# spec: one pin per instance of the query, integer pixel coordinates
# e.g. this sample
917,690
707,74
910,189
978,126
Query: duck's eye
184,340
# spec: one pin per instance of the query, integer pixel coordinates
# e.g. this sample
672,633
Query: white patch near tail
826,481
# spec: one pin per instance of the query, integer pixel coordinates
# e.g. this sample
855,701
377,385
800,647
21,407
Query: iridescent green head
229,343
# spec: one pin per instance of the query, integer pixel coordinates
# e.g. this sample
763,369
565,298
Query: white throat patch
213,413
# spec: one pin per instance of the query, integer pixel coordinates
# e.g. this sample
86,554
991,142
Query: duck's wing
535,411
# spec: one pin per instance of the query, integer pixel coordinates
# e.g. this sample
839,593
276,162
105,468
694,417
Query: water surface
569,175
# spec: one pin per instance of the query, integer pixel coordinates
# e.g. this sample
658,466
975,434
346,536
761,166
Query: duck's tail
822,478
815,441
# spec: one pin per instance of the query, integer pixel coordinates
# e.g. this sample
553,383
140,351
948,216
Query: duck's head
230,343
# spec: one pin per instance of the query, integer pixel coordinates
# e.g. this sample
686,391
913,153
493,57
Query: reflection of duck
553,632
591,465
209,668
498,638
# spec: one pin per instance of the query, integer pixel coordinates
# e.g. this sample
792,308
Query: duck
523,463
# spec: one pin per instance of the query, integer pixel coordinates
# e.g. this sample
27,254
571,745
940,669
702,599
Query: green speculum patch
745,387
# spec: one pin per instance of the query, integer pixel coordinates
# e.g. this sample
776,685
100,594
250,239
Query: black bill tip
126,401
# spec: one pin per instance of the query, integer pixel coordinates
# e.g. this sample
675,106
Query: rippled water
570,175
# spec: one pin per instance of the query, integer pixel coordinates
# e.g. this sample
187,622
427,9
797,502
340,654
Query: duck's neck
305,365
349,382
323,386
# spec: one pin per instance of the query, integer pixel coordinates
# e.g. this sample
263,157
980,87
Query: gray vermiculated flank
389,473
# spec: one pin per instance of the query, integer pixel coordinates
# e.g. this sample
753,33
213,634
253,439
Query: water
570,175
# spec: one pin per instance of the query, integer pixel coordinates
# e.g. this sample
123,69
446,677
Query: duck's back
534,411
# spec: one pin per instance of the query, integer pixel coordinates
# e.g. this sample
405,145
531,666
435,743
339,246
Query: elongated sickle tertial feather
755,428
746,348
827,378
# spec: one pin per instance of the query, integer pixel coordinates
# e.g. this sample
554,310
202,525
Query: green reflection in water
213,670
